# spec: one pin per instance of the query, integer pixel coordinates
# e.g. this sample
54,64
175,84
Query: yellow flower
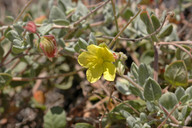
99,60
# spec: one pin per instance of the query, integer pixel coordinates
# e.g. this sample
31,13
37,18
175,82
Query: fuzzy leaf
55,118
168,100
152,90
5,79
143,74
181,55
176,74
166,31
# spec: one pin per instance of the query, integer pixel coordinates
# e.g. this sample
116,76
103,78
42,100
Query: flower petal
106,54
86,59
93,49
94,74
109,71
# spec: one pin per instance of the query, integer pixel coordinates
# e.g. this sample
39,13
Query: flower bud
120,68
31,27
48,45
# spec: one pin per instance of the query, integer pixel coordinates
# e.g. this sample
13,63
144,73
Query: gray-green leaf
176,73
168,100
5,79
152,90
55,118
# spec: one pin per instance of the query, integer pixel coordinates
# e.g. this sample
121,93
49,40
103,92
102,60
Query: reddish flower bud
31,27
48,45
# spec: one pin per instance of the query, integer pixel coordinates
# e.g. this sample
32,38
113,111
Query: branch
47,77
168,116
114,13
20,14
122,30
156,58
171,43
132,82
126,104
91,12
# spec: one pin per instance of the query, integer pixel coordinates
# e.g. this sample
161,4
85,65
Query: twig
168,116
122,30
20,14
48,77
132,82
171,117
19,56
120,101
114,13
5,57
171,43
177,42
91,12
156,66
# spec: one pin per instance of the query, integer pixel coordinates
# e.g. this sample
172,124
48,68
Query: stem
164,121
114,13
132,82
126,104
156,66
20,14
91,12
122,30
47,77
182,48
5,57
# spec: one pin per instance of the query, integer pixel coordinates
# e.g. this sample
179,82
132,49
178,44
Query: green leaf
186,111
143,74
45,28
179,93
144,16
184,98
66,5
131,121
9,19
1,52
122,88
77,48
12,34
19,46
176,74
82,43
147,57
168,100
127,14
92,39
181,55
61,22
55,118
134,70
56,13
83,125
66,84
166,31
82,9
135,91
19,28
152,90
189,92
5,79
155,21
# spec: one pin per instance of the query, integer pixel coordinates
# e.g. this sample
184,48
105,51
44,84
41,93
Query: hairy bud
31,27
48,45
